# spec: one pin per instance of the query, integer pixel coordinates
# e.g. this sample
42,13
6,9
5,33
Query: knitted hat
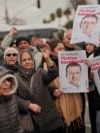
22,39
5,74
9,49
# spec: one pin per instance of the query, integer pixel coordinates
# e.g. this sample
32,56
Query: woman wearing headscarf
32,88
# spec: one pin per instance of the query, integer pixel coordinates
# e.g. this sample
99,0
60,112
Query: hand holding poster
95,68
86,24
73,71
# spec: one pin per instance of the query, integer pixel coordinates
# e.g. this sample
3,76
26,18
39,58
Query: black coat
14,69
96,102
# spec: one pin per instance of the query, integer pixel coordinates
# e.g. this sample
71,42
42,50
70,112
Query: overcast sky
31,14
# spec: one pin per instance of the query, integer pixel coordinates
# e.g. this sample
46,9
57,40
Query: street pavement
87,120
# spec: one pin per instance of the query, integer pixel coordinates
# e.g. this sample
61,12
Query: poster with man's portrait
73,71
95,68
86,24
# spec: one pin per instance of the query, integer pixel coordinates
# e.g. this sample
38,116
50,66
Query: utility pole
7,18
38,4
14,18
98,1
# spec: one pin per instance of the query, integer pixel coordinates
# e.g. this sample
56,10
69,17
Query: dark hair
22,39
1,38
12,43
33,35
30,37
53,43
88,16
72,65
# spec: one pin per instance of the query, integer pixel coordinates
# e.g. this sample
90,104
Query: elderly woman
10,59
32,88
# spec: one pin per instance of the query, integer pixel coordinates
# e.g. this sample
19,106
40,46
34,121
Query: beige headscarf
68,105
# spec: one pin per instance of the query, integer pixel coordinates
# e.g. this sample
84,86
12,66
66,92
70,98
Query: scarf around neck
25,72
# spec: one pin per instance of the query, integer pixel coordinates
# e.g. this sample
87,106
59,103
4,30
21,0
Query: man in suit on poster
73,75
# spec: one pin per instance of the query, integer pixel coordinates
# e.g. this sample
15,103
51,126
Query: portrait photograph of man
73,75
73,72
86,24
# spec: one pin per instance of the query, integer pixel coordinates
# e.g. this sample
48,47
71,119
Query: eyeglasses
13,54
9,79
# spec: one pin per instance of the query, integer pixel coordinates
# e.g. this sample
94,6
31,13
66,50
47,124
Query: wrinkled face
23,45
90,48
5,87
67,39
26,60
88,25
73,75
11,57
59,47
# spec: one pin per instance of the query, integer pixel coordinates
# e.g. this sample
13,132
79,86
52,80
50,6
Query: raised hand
13,31
45,52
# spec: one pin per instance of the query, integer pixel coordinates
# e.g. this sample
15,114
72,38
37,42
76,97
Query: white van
44,31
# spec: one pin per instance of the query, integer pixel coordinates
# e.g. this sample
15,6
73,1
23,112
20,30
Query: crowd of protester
31,100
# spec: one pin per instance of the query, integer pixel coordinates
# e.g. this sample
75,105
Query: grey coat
49,119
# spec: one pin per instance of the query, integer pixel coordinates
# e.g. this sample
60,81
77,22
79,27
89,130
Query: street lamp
98,1
14,18
7,18
38,4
